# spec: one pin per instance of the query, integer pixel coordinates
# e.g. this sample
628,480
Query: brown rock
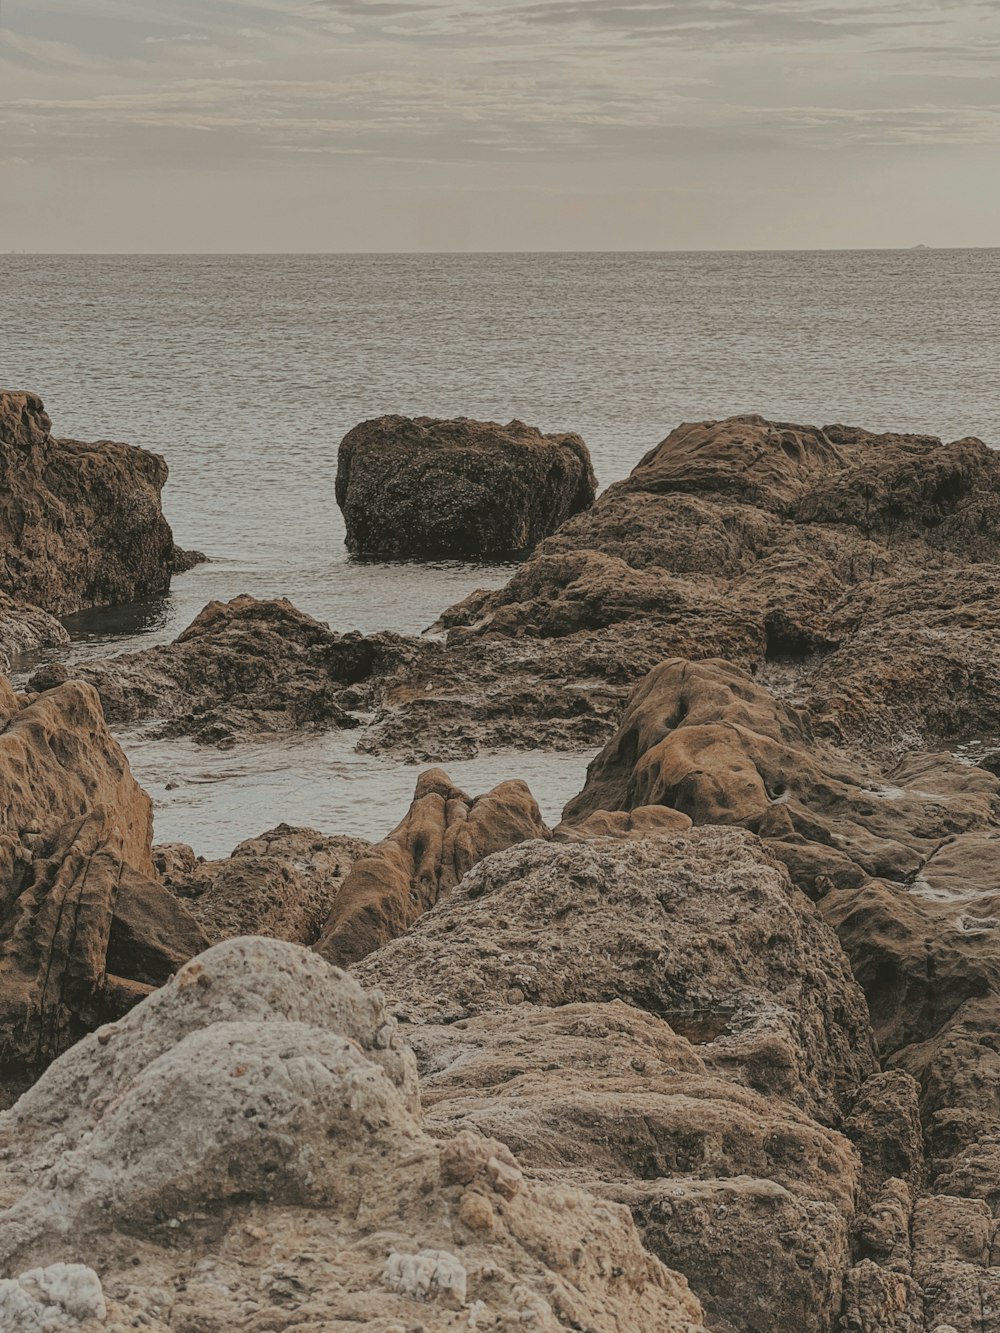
84,928
282,883
462,488
80,524
702,1112
443,835
243,670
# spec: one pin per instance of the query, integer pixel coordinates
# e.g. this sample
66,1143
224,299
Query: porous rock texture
281,884
80,524
244,1151
443,834
244,670
904,863
25,628
466,489
85,929
669,1022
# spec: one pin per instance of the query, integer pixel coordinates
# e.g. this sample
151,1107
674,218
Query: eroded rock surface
245,1151
859,570
443,835
244,670
670,1022
466,489
282,884
85,929
80,524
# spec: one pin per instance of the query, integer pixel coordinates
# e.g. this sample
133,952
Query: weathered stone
421,487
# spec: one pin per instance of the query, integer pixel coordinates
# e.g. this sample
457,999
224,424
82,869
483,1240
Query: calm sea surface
246,371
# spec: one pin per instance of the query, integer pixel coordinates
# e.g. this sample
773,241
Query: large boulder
669,1023
465,489
80,524
245,1151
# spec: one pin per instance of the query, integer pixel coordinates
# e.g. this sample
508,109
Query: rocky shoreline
720,1050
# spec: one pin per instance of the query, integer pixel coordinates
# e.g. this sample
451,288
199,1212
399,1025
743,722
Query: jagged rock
85,930
443,835
523,994
80,524
857,569
462,488
282,883
242,670
248,1143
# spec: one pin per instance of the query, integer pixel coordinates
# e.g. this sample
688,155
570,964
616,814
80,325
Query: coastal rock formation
442,836
285,1179
80,524
856,570
905,863
462,489
706,740
244,670
281,884
85,930
669,1022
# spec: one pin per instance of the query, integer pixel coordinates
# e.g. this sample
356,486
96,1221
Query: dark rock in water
443,835
463,489
282,883
182,561
243,670
80,524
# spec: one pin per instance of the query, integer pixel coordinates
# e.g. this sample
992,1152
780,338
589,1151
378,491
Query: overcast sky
319,125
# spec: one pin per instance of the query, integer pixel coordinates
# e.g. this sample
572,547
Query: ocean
246,371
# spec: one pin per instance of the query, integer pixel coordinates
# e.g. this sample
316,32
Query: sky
410,125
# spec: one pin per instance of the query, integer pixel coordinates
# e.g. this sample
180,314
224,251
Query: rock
80,524
443,835
282,883
669,1023
243,670
284,1176
84,928
708,741
60,1296
462,488
854,571
25,628
59,763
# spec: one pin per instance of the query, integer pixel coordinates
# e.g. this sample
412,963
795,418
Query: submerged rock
245,1150
462,489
